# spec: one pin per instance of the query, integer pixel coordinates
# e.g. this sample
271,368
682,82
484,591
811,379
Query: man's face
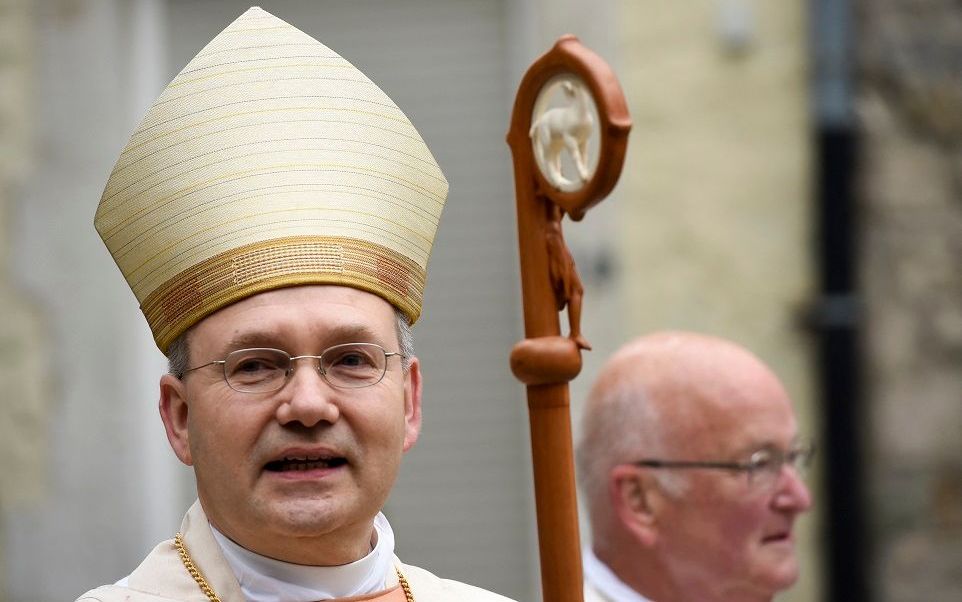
305,468
727,533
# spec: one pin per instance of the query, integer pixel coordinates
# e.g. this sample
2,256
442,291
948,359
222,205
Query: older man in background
689,461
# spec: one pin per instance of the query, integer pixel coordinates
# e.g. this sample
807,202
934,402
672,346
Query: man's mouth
777,537
301,463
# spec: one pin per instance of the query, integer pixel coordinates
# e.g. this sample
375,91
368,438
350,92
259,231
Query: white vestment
162,577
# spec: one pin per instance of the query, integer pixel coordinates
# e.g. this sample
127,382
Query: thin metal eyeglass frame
803,455
290,370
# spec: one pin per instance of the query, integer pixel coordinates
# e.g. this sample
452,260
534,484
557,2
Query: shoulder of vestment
427,587
115,593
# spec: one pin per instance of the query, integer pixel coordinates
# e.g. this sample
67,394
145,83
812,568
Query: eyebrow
770,444
343,333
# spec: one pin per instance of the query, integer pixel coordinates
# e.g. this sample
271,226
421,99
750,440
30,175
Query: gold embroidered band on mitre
233,275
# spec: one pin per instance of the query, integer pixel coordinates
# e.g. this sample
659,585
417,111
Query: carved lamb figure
567,127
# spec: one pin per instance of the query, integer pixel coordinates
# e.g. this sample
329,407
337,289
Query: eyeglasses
762,467
263,370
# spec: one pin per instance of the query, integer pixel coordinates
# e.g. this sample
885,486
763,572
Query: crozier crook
545,361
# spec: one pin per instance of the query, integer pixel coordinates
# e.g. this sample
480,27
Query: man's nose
307,397
793,493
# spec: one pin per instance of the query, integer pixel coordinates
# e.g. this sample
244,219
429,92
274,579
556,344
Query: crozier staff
540,137
273,214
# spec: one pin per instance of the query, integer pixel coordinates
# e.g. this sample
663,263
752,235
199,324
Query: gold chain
408,596
189,565
209,591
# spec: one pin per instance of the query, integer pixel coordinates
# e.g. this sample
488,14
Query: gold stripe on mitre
269,161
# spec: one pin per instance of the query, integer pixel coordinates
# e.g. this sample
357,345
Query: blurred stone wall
910,195
79,431
23,377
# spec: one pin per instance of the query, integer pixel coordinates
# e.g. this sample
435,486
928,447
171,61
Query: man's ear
173,411
631,492
412,403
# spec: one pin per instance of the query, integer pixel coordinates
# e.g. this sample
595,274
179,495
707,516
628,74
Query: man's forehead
307,296
732,425
314,309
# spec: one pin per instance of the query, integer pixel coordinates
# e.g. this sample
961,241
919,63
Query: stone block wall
909,107
910,120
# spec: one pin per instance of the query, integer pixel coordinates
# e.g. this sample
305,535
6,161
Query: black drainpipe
835,314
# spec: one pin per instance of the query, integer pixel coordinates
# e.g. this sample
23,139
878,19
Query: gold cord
408,596
189,565
209,591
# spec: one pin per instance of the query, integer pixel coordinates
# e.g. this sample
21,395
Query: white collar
264,579
606,582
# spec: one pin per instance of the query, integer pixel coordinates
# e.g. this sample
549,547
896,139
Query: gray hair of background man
178,355
630,427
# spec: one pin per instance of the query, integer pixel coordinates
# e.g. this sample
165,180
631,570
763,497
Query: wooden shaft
540,315
554,485
549,415
545,361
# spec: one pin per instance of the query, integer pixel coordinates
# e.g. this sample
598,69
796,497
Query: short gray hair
178,354
405,338
620,425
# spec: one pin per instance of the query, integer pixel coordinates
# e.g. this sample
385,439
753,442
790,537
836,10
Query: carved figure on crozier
566,127
567,287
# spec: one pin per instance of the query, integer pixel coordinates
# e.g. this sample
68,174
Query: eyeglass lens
766,465
350,366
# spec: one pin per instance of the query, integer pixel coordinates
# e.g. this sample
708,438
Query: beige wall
716,193
24,401
710,226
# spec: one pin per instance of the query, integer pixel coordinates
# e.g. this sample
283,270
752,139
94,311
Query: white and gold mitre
269,161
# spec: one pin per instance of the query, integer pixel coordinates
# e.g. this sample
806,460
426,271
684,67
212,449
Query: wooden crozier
545,361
